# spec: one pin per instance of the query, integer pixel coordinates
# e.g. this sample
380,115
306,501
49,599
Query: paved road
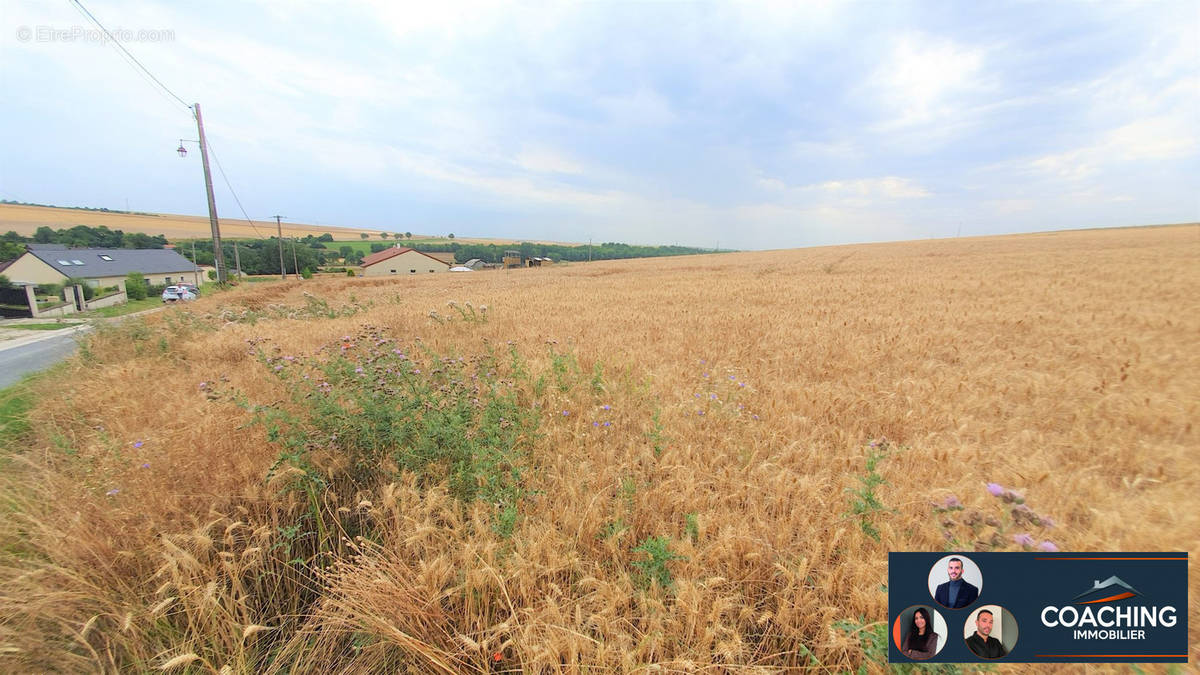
28,358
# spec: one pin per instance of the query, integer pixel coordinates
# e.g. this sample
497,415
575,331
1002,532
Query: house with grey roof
101,267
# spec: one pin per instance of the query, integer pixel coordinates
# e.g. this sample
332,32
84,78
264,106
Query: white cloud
922,78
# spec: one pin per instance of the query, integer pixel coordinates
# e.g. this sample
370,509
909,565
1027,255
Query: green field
364,245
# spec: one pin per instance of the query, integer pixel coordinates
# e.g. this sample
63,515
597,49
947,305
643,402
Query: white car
173,293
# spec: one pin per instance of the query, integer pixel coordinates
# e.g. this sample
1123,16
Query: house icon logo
1109,590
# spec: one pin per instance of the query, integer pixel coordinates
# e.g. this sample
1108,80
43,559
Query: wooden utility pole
195,268
279,232
218,254
295,265
237,260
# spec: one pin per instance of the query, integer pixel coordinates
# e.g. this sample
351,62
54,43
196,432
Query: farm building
55,263
398,260
475,264
538,262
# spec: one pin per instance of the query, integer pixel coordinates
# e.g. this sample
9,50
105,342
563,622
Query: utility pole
218,254
589,249
195,268
279,232
295,265
237,260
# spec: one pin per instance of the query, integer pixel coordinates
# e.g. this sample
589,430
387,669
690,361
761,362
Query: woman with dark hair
920,642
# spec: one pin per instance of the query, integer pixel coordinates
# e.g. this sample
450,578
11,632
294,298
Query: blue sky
755,125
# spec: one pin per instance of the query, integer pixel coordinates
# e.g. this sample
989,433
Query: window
166,280
412,271
393,271
106,257
431,271
76,262
64,263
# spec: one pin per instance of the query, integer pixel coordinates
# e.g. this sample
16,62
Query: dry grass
1063,365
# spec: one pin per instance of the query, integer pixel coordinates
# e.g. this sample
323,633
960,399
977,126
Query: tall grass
644,462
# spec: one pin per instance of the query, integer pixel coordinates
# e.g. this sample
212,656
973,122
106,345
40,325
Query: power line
231,191
120,46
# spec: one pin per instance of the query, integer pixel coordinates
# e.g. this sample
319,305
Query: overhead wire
164,90
225,178
131,57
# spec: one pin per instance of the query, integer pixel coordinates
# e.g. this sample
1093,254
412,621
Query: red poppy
497,656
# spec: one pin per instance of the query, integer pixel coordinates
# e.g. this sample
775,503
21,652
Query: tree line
83,236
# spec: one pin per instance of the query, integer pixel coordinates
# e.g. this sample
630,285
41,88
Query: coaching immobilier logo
1107,611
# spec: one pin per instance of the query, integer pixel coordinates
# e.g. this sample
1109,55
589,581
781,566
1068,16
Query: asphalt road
18,361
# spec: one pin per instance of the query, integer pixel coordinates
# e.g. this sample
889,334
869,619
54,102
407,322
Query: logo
1108,590
1104,617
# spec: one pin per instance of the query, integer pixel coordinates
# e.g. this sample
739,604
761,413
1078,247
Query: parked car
174,293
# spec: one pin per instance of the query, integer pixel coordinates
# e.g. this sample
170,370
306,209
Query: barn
399,260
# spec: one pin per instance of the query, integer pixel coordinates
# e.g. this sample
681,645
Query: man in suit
957,592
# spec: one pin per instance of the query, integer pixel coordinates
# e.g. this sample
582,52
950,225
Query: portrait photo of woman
921,639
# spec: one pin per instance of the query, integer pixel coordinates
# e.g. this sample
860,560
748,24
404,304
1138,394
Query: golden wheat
725,402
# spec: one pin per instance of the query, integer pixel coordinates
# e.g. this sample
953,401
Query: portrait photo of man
957,592
983,630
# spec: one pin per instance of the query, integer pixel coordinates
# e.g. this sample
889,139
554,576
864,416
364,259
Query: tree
4,282
408,235
135,286
43,235
325,237
10,251
383,235
376,248
364,235
345,251
451,235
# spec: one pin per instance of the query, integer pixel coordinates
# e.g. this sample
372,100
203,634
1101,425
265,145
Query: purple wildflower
146,465
358,370
952,502
606,407
1023,539
995,489
112,493
1048,546
595,424
204,385
700,412
754,416
139,444
277,368
608,424
566,413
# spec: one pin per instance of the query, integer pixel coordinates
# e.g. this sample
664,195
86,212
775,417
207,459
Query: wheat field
24,220
678,453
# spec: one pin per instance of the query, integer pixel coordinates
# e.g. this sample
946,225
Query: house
55,263
475,264
399,260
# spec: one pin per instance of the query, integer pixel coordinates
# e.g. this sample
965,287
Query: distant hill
24,219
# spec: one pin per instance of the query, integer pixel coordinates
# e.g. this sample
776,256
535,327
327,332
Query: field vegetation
697,462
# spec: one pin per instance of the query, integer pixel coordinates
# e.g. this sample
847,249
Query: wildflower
139,444
278,368
1023,539
700,412
112,493
595,424
1047,521
1048,546
733,377
497,656
358,370
608,424
606,407
741,384
952,502
995,489
566,413
204,385
146,465
416,371
754,416
705,374
712,396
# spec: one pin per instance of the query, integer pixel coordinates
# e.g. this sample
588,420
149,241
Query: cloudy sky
752,125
